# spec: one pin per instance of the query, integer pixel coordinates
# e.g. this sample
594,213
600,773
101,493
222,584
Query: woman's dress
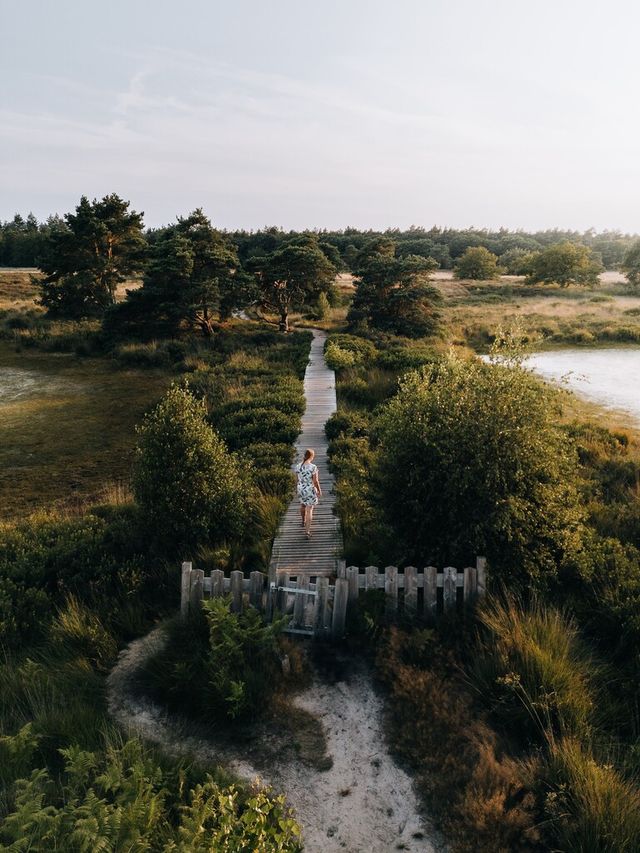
306,490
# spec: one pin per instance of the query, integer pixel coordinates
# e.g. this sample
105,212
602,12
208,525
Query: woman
308,489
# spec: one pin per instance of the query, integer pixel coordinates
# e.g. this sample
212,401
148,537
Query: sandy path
364,804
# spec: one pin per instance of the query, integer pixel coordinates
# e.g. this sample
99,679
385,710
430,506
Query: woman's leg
308,520
302,514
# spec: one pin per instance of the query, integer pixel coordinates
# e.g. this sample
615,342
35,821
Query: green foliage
565,264
123,799
338,358
394,293
590,805
631,264
323,307
536,671
190,488
291,276
101,245
477,263
190,280
471,462
232,668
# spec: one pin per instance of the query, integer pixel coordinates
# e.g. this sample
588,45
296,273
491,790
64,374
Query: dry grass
73,437
17,289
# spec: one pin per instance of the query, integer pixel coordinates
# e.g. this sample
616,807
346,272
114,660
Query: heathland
137,404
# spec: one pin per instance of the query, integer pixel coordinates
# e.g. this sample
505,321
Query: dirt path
363,804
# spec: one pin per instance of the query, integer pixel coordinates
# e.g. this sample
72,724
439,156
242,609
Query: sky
362,113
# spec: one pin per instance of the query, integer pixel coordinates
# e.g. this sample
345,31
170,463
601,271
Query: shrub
244,427
477,263
345,423
233,666
337,358
190,488
470,463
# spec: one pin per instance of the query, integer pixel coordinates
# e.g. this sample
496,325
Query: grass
71,438
551,316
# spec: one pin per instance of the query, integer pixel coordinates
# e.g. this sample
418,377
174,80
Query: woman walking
308,489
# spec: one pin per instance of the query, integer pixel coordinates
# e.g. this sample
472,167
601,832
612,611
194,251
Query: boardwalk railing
318,607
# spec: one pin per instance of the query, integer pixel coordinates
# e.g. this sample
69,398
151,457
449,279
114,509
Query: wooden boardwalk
292,551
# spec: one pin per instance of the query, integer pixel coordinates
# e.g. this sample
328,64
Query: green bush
190,488
347,424
337,358
246,426
232,668
471,462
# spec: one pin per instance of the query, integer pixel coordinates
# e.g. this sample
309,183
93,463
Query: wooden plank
196,590
470,585
410,591
340,600
341,570
391,591
217,583
450,575
236,591
353,576
299,601
256,588
371,576
430,593
185,587
481,568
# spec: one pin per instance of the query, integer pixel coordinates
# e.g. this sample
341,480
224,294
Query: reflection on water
18,383
610,377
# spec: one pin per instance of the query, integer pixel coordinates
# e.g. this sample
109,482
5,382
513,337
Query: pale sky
370,113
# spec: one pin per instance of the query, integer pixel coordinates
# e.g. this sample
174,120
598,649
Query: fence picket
371,577
197,590
353,574
449,579
236,591
410,591
391,590
256,581
340,600
185,588
430,593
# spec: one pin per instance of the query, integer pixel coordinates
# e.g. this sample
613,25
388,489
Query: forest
170,364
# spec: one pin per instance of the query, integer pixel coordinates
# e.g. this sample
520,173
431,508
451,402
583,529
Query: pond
18,383
610,377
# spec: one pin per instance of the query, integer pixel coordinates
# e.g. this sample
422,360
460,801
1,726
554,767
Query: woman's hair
308,454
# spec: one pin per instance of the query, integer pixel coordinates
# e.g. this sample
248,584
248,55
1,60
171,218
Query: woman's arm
316,483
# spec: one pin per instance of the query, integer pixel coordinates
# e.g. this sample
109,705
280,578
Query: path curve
364,803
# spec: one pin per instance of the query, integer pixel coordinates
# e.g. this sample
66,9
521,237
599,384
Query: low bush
347,424
232,669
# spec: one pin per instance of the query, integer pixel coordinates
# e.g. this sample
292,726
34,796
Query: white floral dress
306,490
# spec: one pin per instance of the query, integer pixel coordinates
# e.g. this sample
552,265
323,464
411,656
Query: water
610,377
18,383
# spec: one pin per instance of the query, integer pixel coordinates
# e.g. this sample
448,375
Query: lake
610,377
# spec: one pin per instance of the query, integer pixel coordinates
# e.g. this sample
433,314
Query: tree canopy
101,245
291,276
191,277
631,264
477,263
564,264
394,294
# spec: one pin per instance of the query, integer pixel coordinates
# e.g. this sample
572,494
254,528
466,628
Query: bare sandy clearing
363,804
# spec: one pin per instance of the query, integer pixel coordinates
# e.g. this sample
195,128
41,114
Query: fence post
353,573
341,570
340,599
371,577
449,578
391,591
217,583
236,591
256,586
469,587
481,568
431,593
410,591
185,587
196,592
300,600
322,605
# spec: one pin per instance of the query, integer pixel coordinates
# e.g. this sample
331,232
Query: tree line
194,275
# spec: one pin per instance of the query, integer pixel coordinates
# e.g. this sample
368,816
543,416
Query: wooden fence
317,607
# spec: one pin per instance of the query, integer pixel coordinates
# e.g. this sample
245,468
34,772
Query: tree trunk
283,326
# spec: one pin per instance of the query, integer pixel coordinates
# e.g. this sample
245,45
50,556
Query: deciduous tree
477,263
564,264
